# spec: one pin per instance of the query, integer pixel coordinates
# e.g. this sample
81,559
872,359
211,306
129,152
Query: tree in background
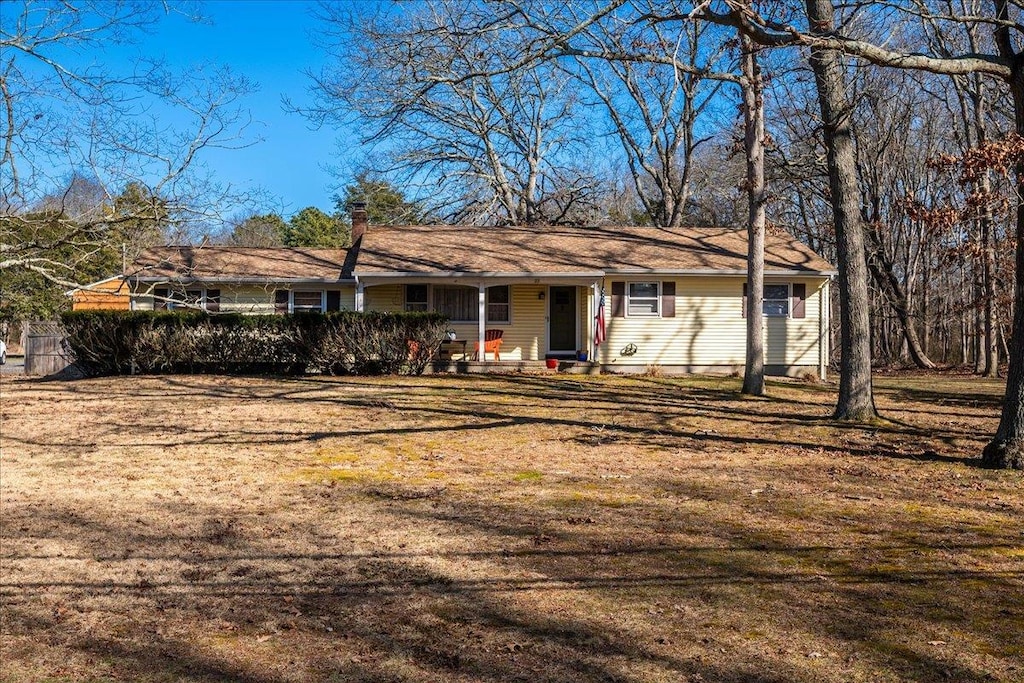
489,142
311,227
1003,59
138,219
115,231
257,230
385,203
60,116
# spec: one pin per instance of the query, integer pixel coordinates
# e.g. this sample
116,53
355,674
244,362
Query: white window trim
291,300
789,300
657,298
432,309
173,305
487,305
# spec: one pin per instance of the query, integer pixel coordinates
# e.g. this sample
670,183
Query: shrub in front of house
197,342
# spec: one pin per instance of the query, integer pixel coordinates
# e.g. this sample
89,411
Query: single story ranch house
672,298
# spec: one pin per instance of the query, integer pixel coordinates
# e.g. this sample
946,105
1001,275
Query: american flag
599,331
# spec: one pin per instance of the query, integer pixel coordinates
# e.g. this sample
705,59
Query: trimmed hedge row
196,342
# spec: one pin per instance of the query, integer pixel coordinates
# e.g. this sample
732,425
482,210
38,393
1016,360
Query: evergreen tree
311,227
385,203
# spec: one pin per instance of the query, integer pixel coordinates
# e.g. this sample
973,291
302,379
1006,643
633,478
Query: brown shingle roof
426,249
239,264
446,249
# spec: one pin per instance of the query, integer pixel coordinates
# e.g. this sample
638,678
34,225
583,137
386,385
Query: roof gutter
242,280
461,274
719,271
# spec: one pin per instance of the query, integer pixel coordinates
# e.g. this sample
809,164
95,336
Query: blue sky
269,42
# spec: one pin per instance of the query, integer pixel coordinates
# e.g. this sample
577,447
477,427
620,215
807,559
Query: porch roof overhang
382,277
573,277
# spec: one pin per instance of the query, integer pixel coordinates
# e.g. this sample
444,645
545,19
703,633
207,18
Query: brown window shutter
333,301
668,299
280,301
213,300
158,294
798,302
618,299
743,311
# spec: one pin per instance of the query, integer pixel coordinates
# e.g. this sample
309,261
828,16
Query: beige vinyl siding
523,339
709,328
257,299
795,341
384,298
348,297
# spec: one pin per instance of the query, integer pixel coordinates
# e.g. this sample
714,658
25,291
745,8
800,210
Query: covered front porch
537,317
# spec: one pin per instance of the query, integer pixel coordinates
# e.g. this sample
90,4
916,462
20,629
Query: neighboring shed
111,294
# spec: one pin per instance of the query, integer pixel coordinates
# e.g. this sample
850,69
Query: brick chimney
359,221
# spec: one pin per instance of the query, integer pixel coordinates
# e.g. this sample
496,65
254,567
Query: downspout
359,294
824,313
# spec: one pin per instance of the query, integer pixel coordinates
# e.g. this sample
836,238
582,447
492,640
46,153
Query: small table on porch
448,349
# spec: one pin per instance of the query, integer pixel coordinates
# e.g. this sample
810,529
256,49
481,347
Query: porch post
591,322
359,295
483,320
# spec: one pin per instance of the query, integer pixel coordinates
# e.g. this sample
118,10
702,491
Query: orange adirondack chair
492,344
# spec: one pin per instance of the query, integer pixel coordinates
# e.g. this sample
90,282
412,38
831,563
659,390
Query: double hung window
643,299
307,302
776,301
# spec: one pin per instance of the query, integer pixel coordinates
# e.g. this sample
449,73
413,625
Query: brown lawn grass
504,528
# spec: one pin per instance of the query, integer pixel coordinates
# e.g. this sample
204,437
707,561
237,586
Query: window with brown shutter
618,299
781,300
213,300
280,301
160,296
799,300
776,301
668,299
643,300
334,301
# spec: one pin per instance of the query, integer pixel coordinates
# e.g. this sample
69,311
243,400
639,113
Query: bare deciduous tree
498,144
61,115
1006,450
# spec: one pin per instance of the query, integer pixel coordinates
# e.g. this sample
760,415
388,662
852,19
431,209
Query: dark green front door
562,319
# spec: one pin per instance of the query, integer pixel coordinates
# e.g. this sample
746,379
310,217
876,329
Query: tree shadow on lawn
880,613
626,410
586,432
404,622
597,603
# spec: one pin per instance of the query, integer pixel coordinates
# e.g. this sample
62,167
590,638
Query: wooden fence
44,348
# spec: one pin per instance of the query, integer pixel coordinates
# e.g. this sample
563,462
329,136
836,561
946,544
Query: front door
562,317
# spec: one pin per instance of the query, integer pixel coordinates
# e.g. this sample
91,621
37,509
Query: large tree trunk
753,145
856,402
1006,450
